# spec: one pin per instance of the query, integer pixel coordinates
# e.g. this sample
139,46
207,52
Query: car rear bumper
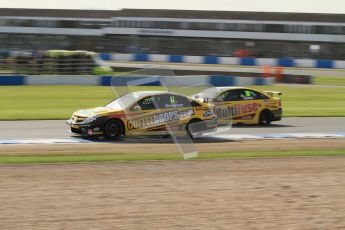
277,114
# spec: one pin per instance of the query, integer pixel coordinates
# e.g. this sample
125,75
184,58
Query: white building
176,32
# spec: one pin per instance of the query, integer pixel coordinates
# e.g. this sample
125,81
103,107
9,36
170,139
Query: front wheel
265,118
113,130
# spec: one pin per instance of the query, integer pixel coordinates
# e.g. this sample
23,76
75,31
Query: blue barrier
286,62
247,61
222,80
106,57
105,80
12,80
211,60
215,80
176,58
324,64
136,80
141,57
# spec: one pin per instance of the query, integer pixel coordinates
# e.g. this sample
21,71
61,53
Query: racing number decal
172,99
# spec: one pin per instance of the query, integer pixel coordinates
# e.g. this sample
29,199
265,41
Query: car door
241,105
248,107
225,105
151,115
141,116
176,110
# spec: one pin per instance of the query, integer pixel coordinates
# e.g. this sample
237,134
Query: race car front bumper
84,129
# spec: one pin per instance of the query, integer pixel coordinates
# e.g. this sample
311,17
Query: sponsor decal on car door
157,113
240,105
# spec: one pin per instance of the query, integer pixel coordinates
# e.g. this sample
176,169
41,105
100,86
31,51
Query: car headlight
90,119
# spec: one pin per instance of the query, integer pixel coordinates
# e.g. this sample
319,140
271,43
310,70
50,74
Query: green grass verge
59,102
307,101
49,102
144,157
328,80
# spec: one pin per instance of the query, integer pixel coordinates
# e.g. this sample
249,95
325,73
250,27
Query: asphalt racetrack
58,128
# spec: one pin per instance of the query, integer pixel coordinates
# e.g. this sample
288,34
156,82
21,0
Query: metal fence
46,65
172,45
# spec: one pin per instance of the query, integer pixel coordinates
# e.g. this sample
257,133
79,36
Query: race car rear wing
272,93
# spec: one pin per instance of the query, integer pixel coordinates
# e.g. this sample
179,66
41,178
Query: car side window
147,103
251,95
194,103
173,101
261,96
231,95
247,95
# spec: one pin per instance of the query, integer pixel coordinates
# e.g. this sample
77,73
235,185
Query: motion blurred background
27,34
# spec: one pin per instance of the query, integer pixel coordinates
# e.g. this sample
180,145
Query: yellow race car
145,113
243,105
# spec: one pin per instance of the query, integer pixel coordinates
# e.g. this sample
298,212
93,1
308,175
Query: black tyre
265,118
113,130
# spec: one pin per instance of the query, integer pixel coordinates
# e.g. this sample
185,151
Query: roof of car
140,94
230,87
222,89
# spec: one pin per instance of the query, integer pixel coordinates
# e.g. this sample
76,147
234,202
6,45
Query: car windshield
122,102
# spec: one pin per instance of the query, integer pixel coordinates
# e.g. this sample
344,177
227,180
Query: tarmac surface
59,128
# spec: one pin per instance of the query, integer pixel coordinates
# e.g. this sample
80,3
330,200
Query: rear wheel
113,130
265,117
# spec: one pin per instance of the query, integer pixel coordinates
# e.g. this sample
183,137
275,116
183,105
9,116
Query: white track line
218,136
